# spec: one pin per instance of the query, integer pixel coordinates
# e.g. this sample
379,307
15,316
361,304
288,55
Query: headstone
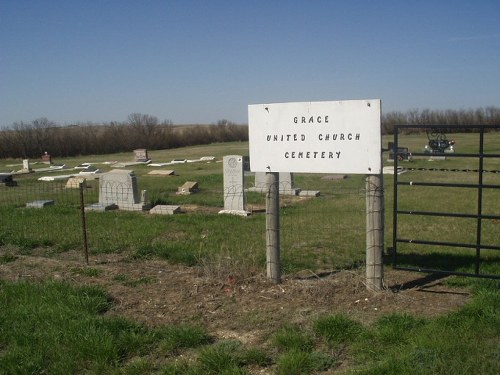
141,155
287,185
189,187
309,193
74,182
234,195
164,209
403,153
26,166
119,187
40,203
46,158
6,180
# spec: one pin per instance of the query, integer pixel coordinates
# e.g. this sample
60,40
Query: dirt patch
156,293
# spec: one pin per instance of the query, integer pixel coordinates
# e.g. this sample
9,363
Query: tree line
33,139
458,120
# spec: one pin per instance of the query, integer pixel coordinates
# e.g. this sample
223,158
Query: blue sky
202,61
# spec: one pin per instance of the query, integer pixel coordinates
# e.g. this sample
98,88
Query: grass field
63,326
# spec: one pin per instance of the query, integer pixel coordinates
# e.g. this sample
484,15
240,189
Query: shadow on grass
442,265
422,282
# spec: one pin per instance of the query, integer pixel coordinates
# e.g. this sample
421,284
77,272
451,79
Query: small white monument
26,166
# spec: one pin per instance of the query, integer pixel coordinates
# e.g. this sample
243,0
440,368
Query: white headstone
234,195
26,165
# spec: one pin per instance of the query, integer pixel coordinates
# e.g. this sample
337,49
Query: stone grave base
164,209
161,172
263,190
101,207
134,207
309,193
40,203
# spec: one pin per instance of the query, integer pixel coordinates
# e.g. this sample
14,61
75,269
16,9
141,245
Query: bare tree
145,128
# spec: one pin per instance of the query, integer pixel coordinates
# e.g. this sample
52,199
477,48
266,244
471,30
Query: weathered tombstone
46,158
403,153
74,182
118,189
234,195
309,193
162,172
141,155
164,209
189,187
6,180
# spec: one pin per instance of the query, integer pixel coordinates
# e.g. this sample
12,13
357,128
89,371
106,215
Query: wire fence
321,226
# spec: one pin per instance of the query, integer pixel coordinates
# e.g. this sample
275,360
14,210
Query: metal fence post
374,231
273,228
84,224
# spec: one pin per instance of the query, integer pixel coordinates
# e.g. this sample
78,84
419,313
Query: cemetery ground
187,293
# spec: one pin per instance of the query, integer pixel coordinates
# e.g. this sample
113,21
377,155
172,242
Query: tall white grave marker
234,195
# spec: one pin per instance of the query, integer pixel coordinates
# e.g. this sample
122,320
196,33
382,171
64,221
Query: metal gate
446,207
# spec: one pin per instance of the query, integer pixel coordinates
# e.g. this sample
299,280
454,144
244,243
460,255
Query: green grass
461,342
58,328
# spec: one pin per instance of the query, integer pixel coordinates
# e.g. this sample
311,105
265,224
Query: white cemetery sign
316,137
